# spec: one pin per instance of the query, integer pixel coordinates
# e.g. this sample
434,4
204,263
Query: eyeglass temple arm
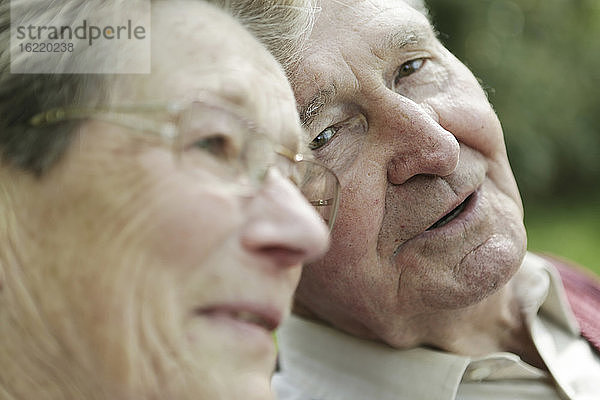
117,117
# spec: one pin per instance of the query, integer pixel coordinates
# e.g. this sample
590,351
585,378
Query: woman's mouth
260,317
451,215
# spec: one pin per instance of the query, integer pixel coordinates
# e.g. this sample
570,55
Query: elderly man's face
430,217
159,279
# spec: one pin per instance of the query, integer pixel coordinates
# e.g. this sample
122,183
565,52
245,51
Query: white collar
322,360
361,366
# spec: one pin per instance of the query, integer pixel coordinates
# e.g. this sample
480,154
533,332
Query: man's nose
283,226
420,144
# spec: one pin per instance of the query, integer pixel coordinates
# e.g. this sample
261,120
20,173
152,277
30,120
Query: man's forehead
386,35
367,8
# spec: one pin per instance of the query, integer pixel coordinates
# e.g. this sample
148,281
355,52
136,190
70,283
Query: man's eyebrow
399,40
393,41
323,97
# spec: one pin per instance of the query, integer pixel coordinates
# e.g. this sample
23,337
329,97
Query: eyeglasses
219,139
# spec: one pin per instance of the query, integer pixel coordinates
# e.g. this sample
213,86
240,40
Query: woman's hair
281,25
24,95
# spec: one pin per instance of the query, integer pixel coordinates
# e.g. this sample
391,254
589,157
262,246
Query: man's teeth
450,216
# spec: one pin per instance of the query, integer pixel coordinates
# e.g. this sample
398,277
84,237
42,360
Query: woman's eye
323,138
409,68
216,146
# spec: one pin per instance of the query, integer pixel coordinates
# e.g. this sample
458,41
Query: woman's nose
282,225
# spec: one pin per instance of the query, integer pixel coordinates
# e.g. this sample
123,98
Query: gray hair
419,5
281,25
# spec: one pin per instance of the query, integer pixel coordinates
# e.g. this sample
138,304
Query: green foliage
539,61
567,228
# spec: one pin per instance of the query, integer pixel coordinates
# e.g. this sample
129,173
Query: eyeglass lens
219,141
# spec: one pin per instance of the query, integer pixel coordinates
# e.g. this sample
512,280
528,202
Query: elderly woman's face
164,281
430,217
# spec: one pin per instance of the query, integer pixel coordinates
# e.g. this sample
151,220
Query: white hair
418,5
282,26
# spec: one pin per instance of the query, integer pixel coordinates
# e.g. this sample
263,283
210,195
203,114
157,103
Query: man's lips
263,317
451,215
446,219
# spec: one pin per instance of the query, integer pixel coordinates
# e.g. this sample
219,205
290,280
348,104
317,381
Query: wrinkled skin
134,277
411,134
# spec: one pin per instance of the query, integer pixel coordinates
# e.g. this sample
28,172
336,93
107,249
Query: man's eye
409,68
323,138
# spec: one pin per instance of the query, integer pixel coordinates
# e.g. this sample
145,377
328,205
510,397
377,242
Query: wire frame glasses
218,139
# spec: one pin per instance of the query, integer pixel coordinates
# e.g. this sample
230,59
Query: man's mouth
451,215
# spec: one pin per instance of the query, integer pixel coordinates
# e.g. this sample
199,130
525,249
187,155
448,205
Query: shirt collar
367,369
364,368
540,289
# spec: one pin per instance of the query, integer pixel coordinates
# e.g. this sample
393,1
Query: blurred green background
539,61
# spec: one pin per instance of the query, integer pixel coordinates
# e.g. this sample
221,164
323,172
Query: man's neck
496,324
